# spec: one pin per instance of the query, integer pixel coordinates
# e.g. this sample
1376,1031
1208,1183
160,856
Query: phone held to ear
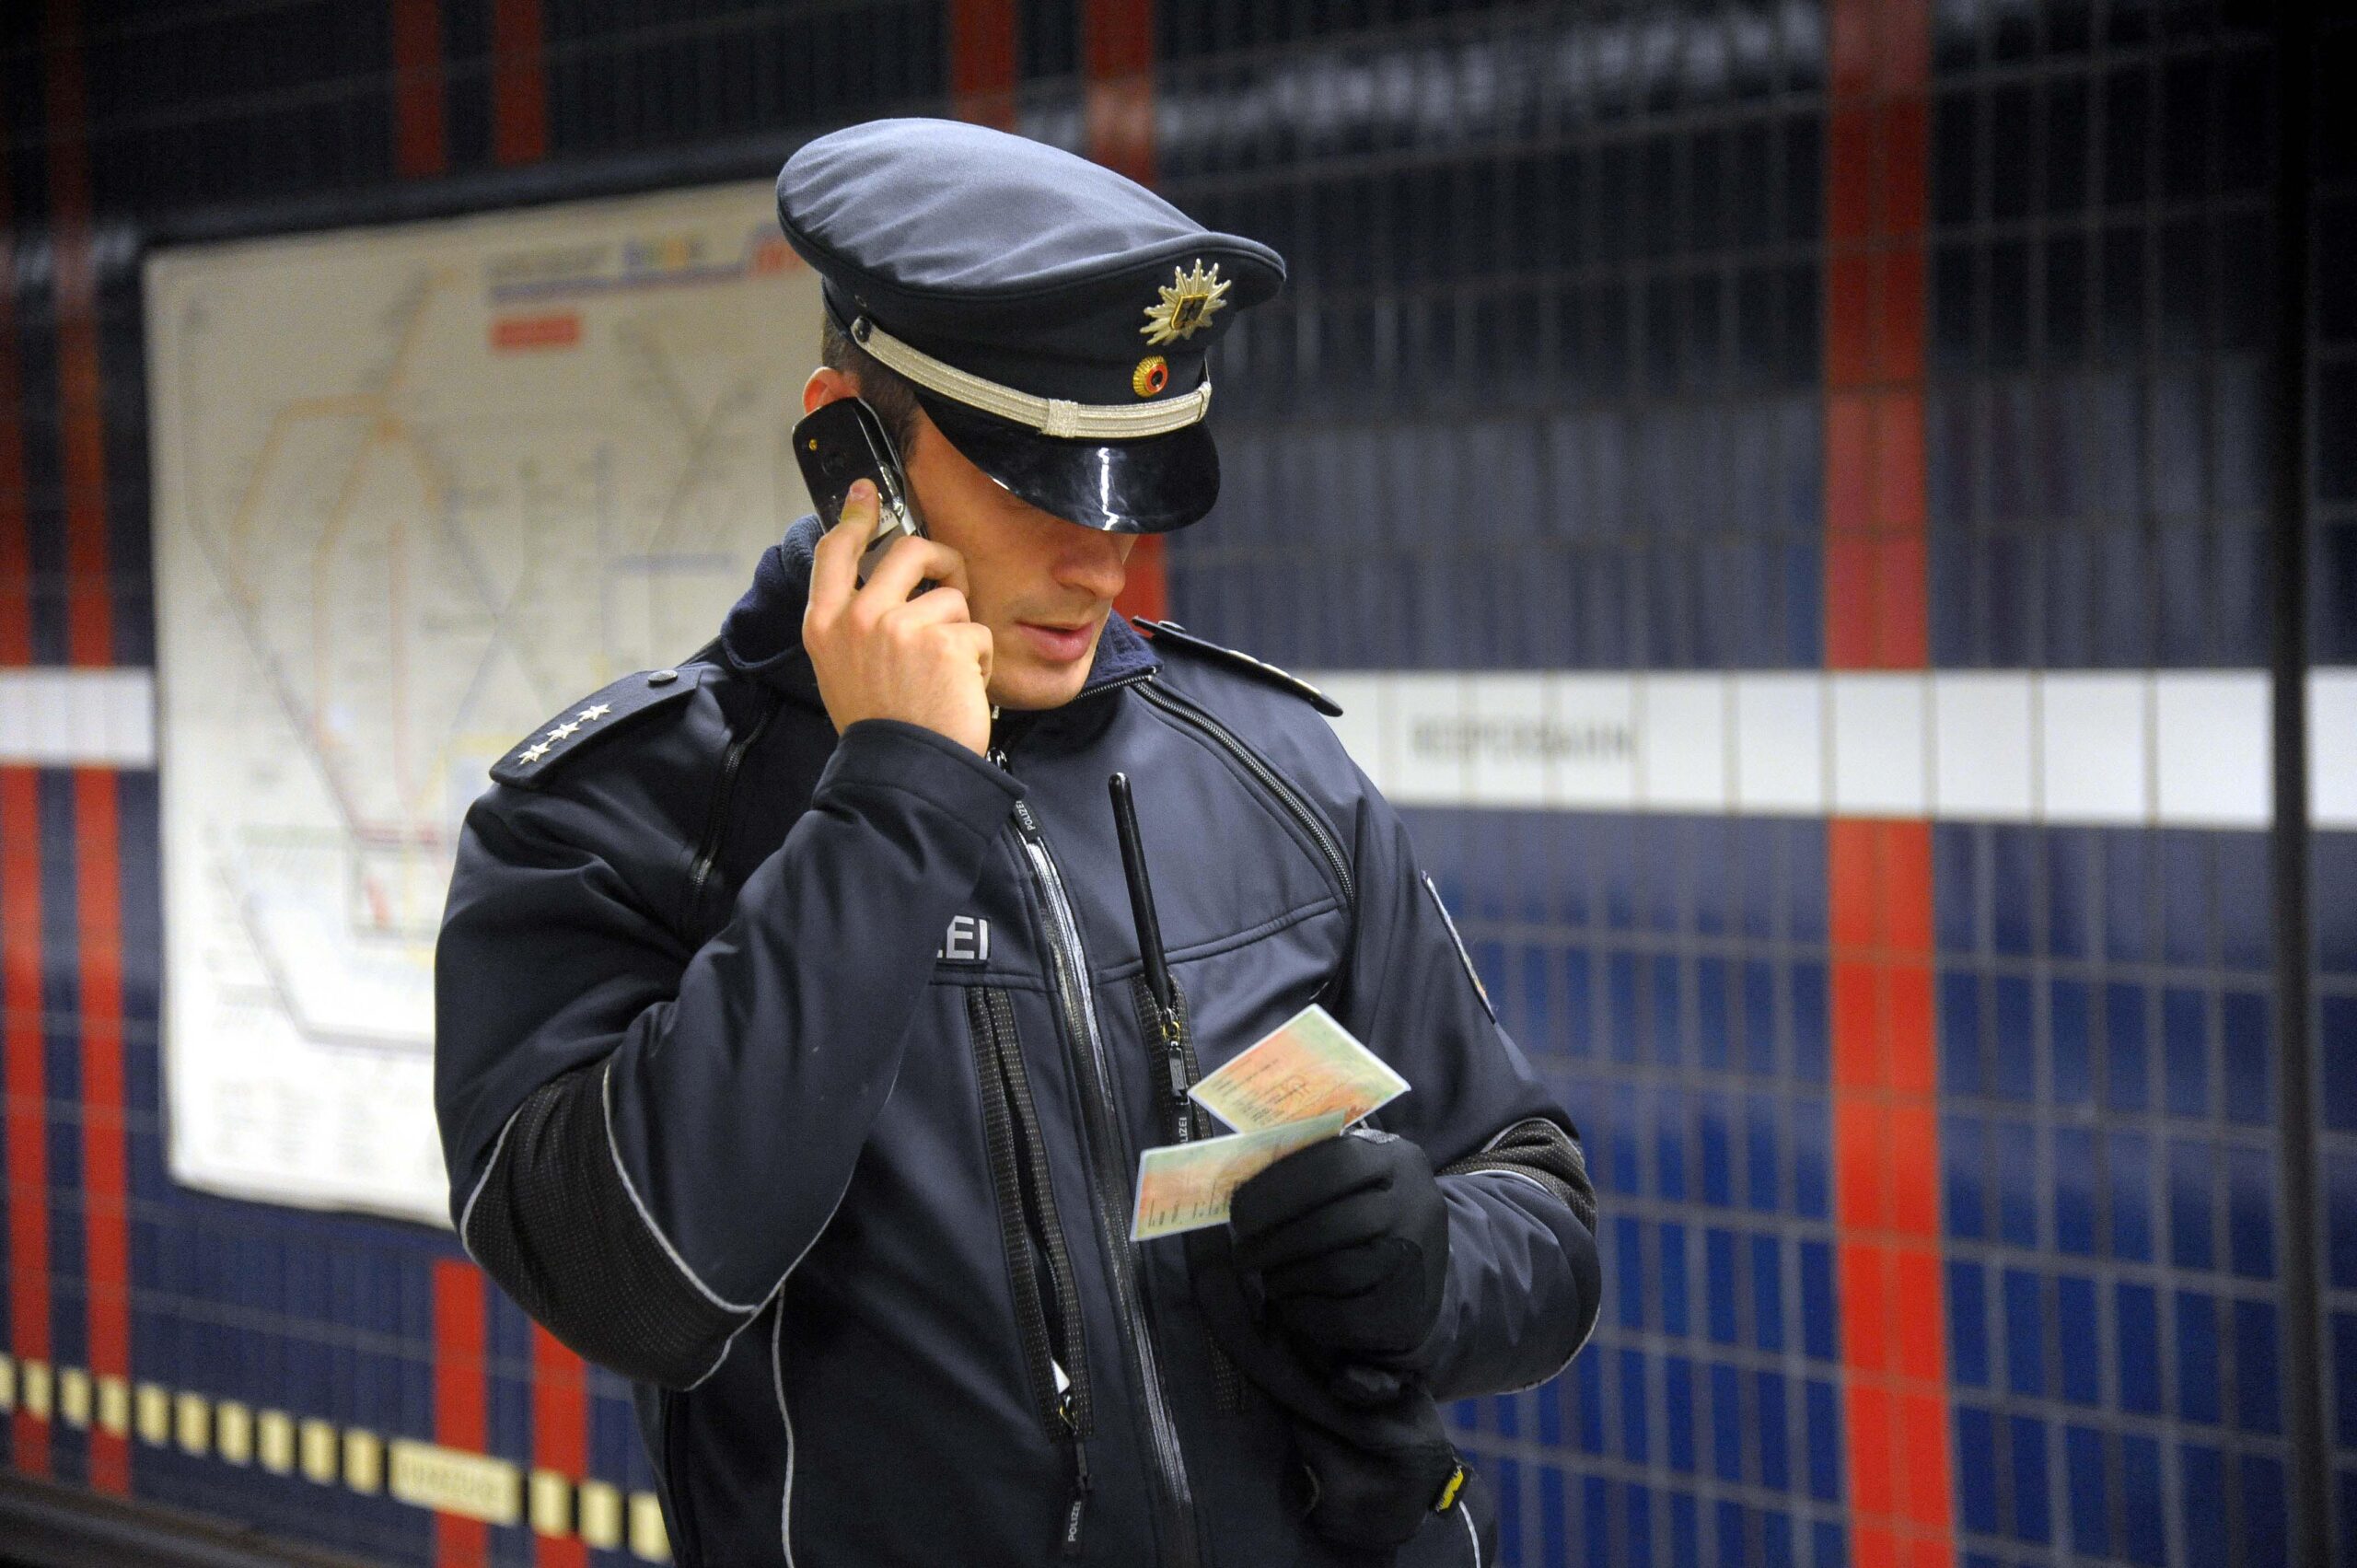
840,444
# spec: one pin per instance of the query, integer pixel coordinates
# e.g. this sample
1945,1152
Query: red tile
1871,1490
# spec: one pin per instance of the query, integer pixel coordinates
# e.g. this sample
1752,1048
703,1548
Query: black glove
1350,1237
1381,1468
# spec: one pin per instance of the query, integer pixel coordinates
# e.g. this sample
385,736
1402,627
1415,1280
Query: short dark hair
885,391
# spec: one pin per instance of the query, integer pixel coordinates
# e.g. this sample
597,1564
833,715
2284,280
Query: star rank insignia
1186,305
587,723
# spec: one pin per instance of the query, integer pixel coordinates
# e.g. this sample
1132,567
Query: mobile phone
845,442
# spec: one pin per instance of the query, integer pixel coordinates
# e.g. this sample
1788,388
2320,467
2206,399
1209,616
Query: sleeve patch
539,754
1170,633
1462,956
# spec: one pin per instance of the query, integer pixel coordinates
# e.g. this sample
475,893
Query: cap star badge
1187,304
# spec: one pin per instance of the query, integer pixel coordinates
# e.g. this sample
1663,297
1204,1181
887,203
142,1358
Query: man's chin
1038,685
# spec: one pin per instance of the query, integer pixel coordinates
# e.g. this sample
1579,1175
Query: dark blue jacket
802,1080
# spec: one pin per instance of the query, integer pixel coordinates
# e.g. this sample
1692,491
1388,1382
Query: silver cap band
1048,416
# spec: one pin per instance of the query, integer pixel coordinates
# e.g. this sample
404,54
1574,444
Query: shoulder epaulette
1171,633
599,714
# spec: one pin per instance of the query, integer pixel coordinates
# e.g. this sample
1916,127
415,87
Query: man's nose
1093,563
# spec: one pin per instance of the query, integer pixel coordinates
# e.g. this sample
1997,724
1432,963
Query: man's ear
828,385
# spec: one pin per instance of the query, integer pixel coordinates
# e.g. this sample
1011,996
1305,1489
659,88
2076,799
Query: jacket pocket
1039,1263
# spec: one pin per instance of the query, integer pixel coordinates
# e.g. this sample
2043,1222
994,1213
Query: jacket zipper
1018,1157
1109,1189
716,831
1185,710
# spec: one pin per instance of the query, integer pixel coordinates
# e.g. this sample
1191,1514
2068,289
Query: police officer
797,1031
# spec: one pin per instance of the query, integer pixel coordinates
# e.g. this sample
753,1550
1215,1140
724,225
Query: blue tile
1635,1438
2090,1517
1759,1017
2191,1183
2251,1212
1968,1324
2070,884
2143,1507
2337,1057
1629,1285
1761,1185
2127,910
1672,1280
2013,901
2126,1052
1714,1128
2203,1472
2033,1514
2258,1370
2265,1529
1727,1428
1817,1311
2185,1044
2198,1393
1824,1441
2074,1190
1768,1293
1771,1433
2015,1148
1669,1144
1719,1285
2025,1333
1811,1123
2069,1008
2138,1309
1677,1388
2079,1336
1588,1379
2249,1055
2131,1166
2339,1183
1811,1037
1713,1034
1668,1011
1976,1434
1963,1160
1963,1064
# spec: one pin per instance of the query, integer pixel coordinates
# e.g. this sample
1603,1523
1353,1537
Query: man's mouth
1061,642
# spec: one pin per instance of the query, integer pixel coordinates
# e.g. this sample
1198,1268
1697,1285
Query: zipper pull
997,758
1079,1503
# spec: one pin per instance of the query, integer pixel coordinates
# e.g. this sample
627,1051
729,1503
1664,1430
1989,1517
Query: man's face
1027,572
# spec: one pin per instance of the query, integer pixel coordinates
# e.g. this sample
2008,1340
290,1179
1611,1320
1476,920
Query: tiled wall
1942,1214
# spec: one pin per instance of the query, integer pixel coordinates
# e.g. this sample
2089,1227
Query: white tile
15,717
2092,739
1359,693
1426,738
2214,761
44,744
2332,748
133,724
1508,762
1880,753
1780,743
1684,761
1982,756
1595,750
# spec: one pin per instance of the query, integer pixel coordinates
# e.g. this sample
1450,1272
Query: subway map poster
416,489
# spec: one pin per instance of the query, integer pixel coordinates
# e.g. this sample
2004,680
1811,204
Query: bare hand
879,653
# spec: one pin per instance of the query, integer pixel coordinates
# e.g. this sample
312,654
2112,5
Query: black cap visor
1151,485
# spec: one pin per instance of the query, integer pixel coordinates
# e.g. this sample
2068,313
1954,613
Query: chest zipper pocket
1039,1263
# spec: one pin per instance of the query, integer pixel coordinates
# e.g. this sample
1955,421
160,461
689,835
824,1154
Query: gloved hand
1350,1237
